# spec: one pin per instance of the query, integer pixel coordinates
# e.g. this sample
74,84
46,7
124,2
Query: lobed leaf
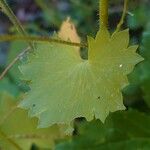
64,86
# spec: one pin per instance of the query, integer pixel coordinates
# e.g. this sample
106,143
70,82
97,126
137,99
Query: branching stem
123,15
44,39
13,62
7,10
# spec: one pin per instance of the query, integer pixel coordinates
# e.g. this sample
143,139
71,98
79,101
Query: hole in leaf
98,97
33,105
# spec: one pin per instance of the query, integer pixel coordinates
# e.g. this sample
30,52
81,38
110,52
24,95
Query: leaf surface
64,86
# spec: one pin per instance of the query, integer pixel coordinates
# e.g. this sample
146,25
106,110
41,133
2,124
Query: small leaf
69,32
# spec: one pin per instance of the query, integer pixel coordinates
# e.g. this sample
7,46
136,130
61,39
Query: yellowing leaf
17,127
64,86
69,32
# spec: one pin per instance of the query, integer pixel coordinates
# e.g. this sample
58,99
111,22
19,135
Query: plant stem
123,15
10,140
13,62
103,13
7,10
40,39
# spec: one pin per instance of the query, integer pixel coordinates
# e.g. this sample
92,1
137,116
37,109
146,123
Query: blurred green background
43,17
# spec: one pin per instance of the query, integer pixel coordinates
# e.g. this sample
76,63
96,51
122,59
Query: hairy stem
7,10
28,38
103,13
40,39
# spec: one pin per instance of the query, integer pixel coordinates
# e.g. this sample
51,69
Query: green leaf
122,130
64,86
17,127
